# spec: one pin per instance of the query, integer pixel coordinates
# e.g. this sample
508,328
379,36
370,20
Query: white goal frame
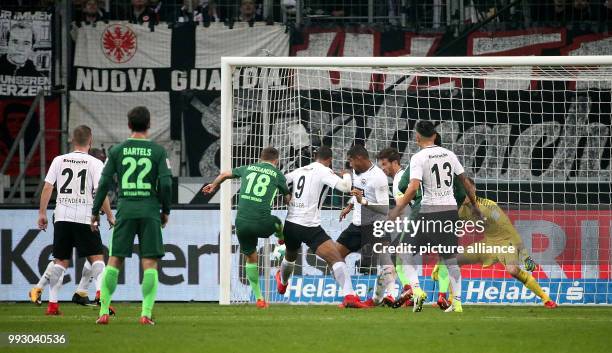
228,64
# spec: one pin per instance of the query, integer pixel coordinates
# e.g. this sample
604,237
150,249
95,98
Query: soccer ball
278,253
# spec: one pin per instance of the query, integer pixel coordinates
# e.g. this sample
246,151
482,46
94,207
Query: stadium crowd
431,12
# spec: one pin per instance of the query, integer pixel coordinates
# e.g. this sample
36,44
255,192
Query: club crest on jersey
119,43
363,180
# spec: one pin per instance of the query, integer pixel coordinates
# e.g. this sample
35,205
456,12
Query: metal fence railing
19,146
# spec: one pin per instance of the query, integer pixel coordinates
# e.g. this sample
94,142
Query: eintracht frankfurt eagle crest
119,43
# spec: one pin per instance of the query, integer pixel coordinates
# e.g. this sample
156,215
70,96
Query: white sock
85,279
97,268
56,280
454,274
390,283
411,269
385,278
342,276
286,270
44,279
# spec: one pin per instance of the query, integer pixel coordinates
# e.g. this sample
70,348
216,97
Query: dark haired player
433,170
370,203
259,183
389,160
309,186
145,185
76,175
439,271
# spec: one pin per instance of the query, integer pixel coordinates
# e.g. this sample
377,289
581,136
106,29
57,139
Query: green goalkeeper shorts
149,233
248,231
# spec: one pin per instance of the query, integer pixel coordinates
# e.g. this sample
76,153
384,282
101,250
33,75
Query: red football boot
146,321
262,304
369,303
550,304
53,309
388,300
280,287
102,320
404,299
353,301
442,302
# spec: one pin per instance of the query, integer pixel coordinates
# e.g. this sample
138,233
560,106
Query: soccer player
145,185
259,184
389,160
309,186
499,231
433,170
370,203
81,294
440,269
76,175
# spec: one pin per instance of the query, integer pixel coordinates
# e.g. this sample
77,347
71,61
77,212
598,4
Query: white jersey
396,180
436,168
309,186
76,176
375,186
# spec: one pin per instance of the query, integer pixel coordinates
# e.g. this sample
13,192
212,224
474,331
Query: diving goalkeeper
498,231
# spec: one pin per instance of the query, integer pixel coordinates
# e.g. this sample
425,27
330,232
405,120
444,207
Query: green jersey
139,165
259,183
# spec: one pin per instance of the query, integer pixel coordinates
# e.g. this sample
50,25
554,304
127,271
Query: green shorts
248,231
151,244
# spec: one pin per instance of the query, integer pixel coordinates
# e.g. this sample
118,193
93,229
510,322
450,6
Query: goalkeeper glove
530,265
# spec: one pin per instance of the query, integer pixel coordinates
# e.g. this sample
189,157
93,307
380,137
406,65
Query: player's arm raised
342,184
223,176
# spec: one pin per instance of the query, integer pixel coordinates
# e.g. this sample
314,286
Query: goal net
533,132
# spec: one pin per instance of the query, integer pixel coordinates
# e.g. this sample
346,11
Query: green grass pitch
197,327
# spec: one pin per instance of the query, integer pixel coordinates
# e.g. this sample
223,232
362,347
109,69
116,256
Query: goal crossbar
228,64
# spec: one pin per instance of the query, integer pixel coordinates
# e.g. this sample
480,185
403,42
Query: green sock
443,280
252,273
149,291
279,231
107,288
399,269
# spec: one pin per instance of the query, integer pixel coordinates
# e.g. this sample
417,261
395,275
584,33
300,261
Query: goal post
500,115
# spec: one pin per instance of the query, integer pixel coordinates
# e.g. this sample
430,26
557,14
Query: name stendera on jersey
76,177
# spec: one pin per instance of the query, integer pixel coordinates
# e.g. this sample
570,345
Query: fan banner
25,53
175,72
189,271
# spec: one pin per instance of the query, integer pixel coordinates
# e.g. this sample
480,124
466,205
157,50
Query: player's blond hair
81,135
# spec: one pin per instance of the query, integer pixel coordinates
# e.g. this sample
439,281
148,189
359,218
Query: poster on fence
25,53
